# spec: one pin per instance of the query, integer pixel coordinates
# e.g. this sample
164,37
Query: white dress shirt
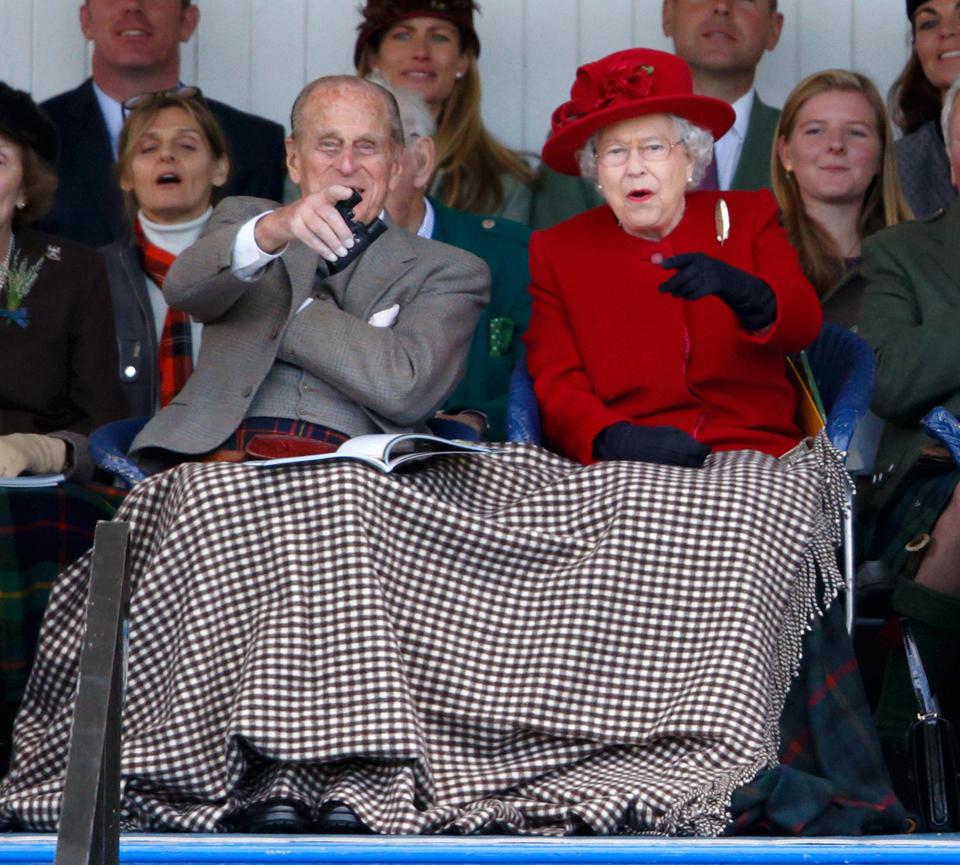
112,113
728,149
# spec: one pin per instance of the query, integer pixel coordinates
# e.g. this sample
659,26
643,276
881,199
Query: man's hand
699,275
27,452
666,445
313,220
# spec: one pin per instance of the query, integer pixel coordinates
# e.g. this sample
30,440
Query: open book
385,451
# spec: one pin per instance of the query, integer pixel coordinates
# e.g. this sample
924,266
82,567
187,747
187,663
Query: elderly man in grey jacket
376,345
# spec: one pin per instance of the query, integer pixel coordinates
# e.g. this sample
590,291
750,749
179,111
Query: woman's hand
27,452
698,275
665,445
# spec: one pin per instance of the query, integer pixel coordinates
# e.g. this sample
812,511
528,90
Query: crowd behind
135,212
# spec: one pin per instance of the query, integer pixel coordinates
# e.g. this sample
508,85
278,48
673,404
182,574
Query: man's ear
85,21
293,158
776,28
425,156
667,18
396,170
189,19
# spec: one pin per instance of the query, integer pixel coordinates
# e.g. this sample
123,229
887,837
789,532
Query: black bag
931,750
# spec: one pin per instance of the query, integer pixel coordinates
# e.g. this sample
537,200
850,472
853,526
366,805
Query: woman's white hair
695,140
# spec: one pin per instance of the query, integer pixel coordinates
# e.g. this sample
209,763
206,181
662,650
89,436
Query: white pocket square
385,317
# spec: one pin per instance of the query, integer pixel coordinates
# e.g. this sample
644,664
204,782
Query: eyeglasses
143,99
651,150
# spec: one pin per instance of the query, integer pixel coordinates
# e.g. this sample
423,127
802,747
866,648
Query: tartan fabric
252,426
41,532
511,639
831,779
914,510
175,352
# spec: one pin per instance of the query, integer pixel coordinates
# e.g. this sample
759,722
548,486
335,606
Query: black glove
666,445
698,275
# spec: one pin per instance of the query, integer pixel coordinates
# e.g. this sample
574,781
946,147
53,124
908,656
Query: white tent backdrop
256,54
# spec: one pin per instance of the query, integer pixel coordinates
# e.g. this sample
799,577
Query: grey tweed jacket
398,375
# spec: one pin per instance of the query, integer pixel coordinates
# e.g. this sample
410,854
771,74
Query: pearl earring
21,205
458,75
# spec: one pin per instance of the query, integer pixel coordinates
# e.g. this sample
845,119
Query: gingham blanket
511,639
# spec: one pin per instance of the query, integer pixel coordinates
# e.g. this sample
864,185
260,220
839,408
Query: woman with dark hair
172,162
58,382
432,48
915,101
57,349
835,178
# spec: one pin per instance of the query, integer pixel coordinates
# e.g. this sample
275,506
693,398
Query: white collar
743,108
429,220
112,112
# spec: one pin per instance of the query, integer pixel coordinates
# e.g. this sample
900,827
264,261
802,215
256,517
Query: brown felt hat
378,15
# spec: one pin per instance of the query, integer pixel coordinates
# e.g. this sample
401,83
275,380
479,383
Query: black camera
363,235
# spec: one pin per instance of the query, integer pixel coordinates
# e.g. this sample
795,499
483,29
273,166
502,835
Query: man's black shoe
274,817
335,818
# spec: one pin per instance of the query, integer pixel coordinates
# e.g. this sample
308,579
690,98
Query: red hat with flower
628,84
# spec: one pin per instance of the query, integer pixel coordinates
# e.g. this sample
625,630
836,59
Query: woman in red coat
660,321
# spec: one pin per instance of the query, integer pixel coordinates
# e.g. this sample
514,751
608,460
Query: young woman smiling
835,178
432,48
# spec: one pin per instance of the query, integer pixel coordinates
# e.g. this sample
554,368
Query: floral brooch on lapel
17,276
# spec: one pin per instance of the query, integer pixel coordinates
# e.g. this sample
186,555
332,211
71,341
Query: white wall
256,54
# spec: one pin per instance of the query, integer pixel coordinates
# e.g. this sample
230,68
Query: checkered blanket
511,640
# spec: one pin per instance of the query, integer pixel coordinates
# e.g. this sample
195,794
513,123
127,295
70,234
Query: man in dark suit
136,49
723,42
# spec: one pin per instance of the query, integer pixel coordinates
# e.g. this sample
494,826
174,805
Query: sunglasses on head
143,99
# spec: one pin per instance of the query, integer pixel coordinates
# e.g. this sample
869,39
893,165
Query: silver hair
415,114
695,140
949,100
338,82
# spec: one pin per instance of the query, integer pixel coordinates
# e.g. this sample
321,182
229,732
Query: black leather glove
698,275
666,445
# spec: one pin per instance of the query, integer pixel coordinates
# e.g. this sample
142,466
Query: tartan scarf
175,352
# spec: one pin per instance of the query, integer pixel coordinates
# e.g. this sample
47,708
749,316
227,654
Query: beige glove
26,452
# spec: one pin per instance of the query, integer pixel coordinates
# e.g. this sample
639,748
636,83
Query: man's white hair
415,114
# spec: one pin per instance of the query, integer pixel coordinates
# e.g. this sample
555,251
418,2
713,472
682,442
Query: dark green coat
557,197
502,244
910,315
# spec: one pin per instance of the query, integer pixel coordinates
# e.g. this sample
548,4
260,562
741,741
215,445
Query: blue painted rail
333,850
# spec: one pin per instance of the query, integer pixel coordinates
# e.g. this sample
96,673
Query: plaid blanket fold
511,640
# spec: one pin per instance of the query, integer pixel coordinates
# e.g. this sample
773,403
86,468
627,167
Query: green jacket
910,316
502,244
557,197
